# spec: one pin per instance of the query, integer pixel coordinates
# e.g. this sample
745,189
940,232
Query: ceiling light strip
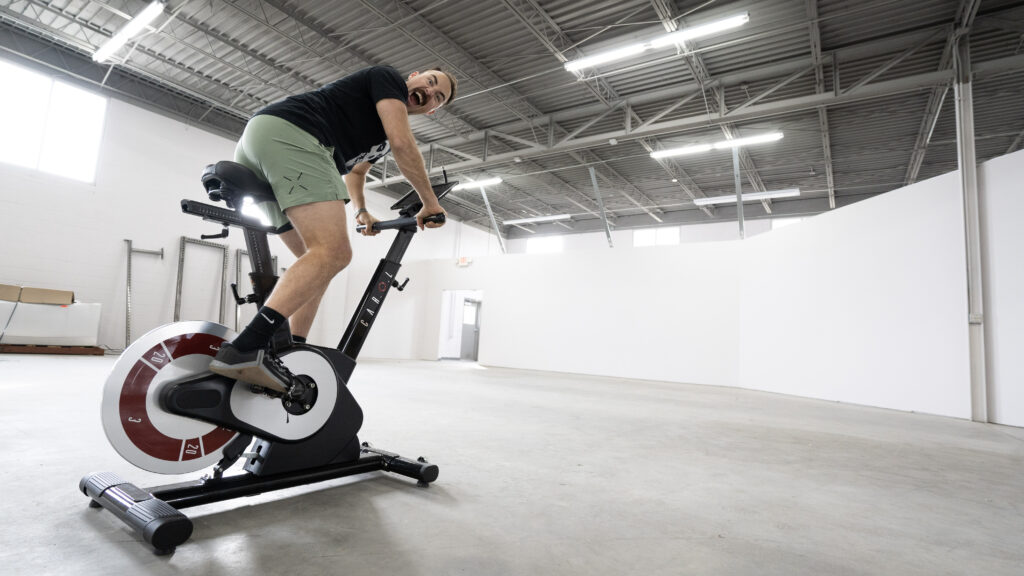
724,144
133,27
667,40
750,197
538,219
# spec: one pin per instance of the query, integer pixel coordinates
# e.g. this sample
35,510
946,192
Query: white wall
688,233
865,304
63,234
662,313
1002,205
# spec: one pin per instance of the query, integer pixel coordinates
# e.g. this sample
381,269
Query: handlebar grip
435,219
403,222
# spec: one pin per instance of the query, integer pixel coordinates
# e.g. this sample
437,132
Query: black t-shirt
343,114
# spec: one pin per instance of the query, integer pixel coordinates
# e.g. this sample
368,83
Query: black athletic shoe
257,367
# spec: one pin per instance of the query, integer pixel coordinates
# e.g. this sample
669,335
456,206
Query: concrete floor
544,473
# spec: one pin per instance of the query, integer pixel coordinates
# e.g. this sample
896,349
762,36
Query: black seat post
262,275
231,182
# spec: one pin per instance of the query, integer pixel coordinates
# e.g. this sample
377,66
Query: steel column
819,88
972,226
600,202
1016,143
739,189
494,221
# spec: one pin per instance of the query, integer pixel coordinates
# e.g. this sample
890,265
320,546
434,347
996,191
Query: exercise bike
165,412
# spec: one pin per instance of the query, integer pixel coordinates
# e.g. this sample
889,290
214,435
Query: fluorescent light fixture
134,26
477,183
608,56
682,151
736,142
538,219
701,31
671,39
751,197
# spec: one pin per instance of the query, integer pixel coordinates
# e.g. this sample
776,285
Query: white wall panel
663,313
866,304
1002,207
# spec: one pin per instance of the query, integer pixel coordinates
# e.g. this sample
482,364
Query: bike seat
231,182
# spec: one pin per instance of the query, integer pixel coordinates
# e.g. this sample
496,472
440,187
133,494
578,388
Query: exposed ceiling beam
144,91
981,70
667,14
159,67
353,59
764,72
344,56
819,88
551,36
466,66
1015,145
965,15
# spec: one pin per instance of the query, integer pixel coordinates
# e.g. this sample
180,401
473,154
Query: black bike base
154,512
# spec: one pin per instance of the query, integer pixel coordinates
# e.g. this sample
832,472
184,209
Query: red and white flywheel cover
140,431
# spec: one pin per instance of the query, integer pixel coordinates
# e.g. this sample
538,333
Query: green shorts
298,167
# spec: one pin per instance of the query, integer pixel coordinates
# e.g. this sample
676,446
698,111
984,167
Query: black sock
299,339
257,334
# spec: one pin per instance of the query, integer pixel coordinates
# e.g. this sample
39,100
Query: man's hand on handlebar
430,210
367,220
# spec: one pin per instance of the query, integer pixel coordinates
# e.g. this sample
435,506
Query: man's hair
451,80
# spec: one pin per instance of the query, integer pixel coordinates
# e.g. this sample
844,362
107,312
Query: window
783,222
656,236
544,245
49,125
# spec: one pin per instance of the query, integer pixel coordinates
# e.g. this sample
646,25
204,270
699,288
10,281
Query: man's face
427,92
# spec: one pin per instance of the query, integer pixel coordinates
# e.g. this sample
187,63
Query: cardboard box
9,293
49,325
44,296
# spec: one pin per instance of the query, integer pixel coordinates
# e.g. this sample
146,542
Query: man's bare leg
323,229
301,321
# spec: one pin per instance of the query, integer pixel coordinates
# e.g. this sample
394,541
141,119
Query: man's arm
355,181
395,119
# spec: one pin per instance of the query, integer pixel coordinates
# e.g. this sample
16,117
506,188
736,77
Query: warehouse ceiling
862,91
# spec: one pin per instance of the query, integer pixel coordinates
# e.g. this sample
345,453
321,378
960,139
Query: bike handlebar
403,223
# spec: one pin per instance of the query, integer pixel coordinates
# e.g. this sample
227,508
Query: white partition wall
866,304
661,313
1001,186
